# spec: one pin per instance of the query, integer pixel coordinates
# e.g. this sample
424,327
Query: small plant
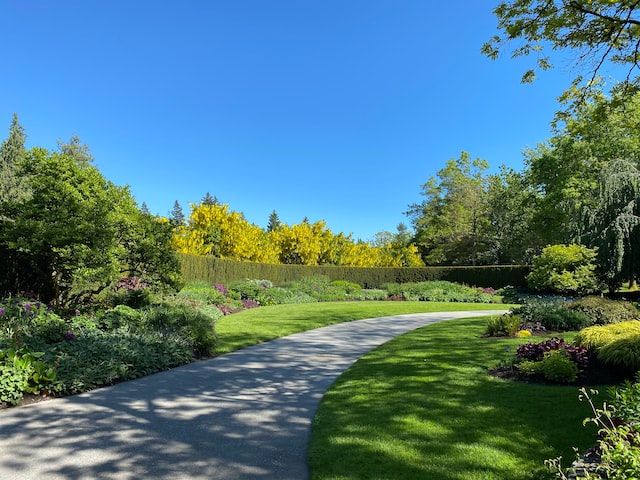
504,325
558,367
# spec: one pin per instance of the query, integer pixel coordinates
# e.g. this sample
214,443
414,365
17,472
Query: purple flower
27,307
77,312
69,336
2,311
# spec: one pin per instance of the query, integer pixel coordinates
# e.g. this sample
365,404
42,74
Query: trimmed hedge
218,270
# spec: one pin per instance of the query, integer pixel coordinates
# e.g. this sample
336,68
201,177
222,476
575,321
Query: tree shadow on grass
423,406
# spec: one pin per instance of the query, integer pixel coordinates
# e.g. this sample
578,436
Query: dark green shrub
192,324
603,311
119,316
565,269
623,352
553,315
94,358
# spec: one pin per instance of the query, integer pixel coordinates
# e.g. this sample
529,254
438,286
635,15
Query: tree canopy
596,32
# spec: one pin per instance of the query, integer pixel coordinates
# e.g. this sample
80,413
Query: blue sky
334,110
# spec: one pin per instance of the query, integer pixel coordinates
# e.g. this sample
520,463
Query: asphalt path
246,415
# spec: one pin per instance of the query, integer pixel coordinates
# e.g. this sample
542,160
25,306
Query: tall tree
13,186
565,170
594,31
209,200
177,216
274,222
613,222
450,224
144,209
511,206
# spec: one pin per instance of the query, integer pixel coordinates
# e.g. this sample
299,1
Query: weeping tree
613,221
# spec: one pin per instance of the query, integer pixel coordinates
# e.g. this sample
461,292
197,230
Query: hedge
217,270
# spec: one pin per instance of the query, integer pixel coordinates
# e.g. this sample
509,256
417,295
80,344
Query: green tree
76,150
77,233
450,224
177,216
12,153
209,200
144,209
594,31
274,222
511,207
613,223
64,228
565,170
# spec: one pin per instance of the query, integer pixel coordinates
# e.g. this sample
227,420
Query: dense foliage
212,229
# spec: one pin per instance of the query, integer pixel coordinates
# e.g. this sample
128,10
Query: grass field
422,406
253,326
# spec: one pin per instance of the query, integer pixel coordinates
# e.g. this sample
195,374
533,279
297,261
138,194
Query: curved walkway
244,415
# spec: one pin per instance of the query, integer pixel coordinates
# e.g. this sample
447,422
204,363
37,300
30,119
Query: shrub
566,269
250,289
119,316
553,315
504,325
204,292
350,289
623,352
523,333
603,311
438,291
536,352
625,399
597,336
373,294
558,367
95,358
194,325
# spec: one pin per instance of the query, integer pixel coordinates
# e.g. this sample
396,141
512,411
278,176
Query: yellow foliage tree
214,230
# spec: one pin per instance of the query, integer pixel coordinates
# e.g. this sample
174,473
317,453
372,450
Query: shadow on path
244,415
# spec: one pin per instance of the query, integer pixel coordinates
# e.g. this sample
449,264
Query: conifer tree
274,222
144,209
209,200
12,151
176,216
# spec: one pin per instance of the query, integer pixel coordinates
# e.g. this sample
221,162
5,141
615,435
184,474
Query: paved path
245,415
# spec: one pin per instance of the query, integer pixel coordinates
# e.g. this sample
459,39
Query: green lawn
422,406
258,325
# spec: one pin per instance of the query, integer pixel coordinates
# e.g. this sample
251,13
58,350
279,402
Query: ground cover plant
134,332
423,406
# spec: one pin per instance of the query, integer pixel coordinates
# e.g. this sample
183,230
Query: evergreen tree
209,200
176,216
12,152
613,223
274,222
144,209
